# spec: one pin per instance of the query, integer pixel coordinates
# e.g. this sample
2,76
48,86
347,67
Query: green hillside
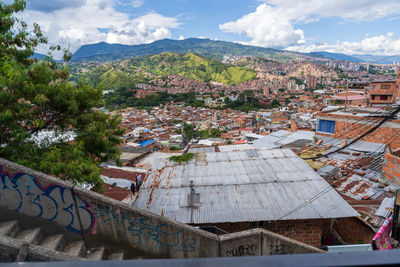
192,66
204,47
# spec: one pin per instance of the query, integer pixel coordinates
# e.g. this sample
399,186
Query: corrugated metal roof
208,149
240,186
386,203
240,147
356,187
361,146
282,138
267,142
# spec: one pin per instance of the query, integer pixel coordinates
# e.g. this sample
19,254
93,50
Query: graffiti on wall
145,234
23,193
242,250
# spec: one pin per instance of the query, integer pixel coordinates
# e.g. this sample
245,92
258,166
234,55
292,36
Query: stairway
53,247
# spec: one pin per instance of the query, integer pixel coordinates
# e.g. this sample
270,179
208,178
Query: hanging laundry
382,237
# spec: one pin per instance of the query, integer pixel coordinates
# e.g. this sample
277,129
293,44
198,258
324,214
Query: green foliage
174,148
297,80
192,66
210,133
36,96
209,48
125,98
246,102
182,158
189,131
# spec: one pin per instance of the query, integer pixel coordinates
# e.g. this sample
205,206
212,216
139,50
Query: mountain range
210,48
205,47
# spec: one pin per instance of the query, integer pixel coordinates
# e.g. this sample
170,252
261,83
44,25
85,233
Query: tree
37,98
189,131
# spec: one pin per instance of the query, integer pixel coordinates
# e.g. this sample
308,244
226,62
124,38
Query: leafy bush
182,158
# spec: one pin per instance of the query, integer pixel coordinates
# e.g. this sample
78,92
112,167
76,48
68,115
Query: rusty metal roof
240,186
383,208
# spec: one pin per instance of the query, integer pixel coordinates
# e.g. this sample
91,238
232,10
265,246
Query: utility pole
347,92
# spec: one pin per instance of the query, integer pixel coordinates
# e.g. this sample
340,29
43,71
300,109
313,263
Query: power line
307,202
393,113
392,137
362,125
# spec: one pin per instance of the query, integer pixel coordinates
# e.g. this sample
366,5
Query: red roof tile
117,173
115,192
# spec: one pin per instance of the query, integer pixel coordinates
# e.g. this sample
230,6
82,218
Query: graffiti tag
145,234
23,193
245,250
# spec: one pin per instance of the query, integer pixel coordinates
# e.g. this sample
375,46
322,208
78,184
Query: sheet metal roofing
240,147
281,138
362,146
240,186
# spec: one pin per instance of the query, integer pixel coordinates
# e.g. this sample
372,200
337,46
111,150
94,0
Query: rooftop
241,186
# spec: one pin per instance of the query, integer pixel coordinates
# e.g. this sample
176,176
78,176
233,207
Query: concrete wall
28,192
38,195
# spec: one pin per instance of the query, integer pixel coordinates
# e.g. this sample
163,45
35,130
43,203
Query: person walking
133,189
139,181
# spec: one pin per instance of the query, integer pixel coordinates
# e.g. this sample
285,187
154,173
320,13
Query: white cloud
73,26
145,29
376,45
181,37
273,23
137,3
266,27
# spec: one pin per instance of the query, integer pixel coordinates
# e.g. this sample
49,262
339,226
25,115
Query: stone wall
28,192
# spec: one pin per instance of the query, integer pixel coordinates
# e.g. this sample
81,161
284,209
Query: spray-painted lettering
243,250
23,193
145,234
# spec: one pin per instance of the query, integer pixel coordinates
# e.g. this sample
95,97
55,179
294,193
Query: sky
342,26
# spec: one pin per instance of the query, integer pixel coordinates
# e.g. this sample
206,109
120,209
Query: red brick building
391,169
383,92
349,125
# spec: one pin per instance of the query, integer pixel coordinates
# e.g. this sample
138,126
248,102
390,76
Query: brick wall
391,169
350,130
306,231
353,230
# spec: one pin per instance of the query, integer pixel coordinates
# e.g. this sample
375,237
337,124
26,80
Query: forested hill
129,72
193,67
205,47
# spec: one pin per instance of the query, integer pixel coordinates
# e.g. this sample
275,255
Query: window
326,126
373,97
385,86
373,87
383,97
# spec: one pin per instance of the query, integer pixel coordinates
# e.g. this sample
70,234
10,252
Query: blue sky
352,27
